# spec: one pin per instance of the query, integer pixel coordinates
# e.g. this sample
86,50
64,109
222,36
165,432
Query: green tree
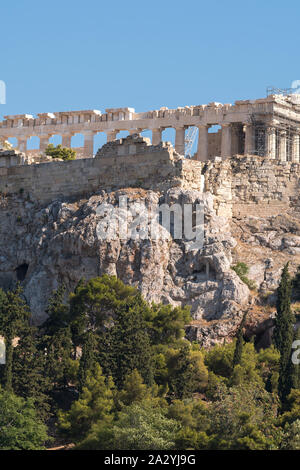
130,343
237,357
21,429
88,357
166,323
94,303
243,417
186,372
60,152
94,404
140,426
134,390
58,313
58,358
29,380
14,316
283,332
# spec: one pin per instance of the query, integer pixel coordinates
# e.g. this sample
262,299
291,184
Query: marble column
295,148
156,136
226,140
88,143
282,146
249,139
111,135
202,148
22,144
180,140
66,140
44,142
271,142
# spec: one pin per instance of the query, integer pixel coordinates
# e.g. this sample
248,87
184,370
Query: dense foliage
113,372
63,153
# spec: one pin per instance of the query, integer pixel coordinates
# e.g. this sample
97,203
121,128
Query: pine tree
14,316
134,389
239,343
283,332
94,405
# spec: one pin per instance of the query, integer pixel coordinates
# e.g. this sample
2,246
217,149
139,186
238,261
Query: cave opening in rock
22,271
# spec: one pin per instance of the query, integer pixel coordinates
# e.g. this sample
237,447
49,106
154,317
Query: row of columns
275,141
226,141
66,141
281,136
249,146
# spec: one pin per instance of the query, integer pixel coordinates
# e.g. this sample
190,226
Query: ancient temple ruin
267,127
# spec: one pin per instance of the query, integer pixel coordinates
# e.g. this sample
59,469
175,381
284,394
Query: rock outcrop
43,244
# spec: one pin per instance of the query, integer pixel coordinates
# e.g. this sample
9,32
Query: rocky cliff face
58,243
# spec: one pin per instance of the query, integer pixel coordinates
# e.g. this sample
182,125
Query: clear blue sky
65,55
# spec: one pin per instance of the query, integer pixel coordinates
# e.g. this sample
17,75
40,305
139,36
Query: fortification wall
131,163
242,185
253,186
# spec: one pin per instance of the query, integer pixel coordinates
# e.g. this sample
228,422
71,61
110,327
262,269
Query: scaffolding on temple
190,138
283,125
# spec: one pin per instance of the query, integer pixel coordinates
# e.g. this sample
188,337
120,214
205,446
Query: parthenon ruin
268,127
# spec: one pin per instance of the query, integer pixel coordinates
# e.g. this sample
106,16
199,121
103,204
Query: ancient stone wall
130,162
253,185
241,185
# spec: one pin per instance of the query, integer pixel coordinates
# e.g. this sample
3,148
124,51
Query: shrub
60,152
242,270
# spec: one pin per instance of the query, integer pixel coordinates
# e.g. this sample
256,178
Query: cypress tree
181,378
14,316
57,311
239,343
29,380
283,332
130,344
88,357
58,349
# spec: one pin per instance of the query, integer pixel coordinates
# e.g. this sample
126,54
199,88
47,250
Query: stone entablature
268,126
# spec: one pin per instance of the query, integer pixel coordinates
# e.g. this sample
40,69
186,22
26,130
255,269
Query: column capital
88,132
226,124
67,134
135,131
44,136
